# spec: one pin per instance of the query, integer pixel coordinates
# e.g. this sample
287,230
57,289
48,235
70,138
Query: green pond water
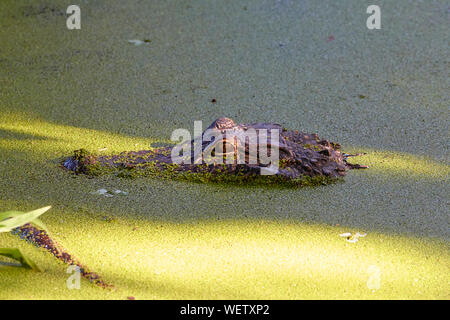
308,65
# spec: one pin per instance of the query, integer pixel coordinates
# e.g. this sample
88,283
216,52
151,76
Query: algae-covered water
308,65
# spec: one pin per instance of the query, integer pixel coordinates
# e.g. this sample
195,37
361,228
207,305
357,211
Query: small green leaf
16,254
9,214
39,224
13,219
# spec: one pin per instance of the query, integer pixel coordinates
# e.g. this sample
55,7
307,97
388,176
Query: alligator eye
228,147
223,150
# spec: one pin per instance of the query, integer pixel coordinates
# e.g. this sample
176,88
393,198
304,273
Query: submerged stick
41,239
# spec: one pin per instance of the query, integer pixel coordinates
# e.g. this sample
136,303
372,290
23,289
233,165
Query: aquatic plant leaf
17,255
9,214
13,219
12,214
39,224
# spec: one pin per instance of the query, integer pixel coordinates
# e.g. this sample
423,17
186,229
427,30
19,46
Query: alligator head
243,152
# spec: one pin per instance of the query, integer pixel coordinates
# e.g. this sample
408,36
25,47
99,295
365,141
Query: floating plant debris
109,194
352,238
138,42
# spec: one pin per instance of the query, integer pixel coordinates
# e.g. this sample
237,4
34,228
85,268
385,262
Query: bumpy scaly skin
302,157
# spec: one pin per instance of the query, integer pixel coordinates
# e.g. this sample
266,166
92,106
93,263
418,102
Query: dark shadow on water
13,135
161,144
363,200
